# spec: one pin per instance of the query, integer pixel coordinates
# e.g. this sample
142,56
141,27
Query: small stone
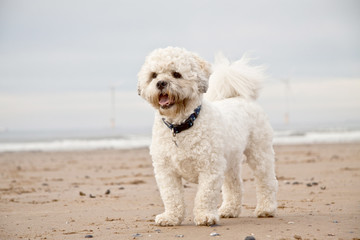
214,225
297,237
249,238
107,192
309,184
179,235
335,221
137,235
315,183
92,196
323,187
157,230
121,188
214,234
82,194
331,234
296,183
89,236
290,222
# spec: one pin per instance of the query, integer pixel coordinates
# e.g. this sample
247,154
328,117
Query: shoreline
137,141
275,145
112,194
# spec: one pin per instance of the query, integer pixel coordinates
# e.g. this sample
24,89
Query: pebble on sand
312,184
297,237
89,236
250,238
214,234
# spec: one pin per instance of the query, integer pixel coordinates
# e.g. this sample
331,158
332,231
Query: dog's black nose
161,85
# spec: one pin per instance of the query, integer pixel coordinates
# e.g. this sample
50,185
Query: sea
74,140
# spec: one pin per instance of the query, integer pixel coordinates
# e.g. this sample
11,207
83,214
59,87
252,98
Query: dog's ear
138,84
205,72
203,86
142,76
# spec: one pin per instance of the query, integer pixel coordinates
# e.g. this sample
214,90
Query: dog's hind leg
261,159
232,189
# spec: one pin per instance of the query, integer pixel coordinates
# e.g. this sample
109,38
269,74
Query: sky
59,59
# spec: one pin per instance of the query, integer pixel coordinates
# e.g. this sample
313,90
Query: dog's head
173,79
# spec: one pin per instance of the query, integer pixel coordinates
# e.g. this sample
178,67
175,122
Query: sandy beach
112,194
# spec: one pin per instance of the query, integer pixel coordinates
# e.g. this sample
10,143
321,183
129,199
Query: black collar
188,123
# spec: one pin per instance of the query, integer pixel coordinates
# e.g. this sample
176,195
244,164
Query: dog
206,123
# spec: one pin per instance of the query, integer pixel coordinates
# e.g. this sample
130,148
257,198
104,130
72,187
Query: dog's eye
176,75
153,75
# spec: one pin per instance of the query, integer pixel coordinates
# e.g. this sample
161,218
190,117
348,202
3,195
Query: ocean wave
135,141
77,144
317,137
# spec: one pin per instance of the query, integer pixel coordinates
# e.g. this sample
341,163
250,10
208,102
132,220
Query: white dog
203,138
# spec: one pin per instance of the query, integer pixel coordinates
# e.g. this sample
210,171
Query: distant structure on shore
113,107
286,82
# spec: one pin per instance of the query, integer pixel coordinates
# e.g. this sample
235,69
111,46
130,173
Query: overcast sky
58,59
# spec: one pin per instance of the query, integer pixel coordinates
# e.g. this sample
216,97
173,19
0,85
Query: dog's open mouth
165,101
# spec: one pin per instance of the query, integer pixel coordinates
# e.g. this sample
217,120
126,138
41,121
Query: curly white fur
210,153
234,79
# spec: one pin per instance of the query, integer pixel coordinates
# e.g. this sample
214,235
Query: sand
112,194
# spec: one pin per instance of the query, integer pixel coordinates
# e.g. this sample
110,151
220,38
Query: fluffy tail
237,79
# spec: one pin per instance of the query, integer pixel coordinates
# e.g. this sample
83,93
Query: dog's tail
237,79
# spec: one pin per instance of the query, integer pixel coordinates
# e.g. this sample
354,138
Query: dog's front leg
207,198
171,192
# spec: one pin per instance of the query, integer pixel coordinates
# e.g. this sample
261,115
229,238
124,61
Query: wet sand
112,194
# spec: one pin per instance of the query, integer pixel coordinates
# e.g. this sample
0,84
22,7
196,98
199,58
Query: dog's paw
166,219
263,211
229,212
206,219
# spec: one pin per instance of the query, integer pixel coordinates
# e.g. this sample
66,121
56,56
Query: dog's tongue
164,100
